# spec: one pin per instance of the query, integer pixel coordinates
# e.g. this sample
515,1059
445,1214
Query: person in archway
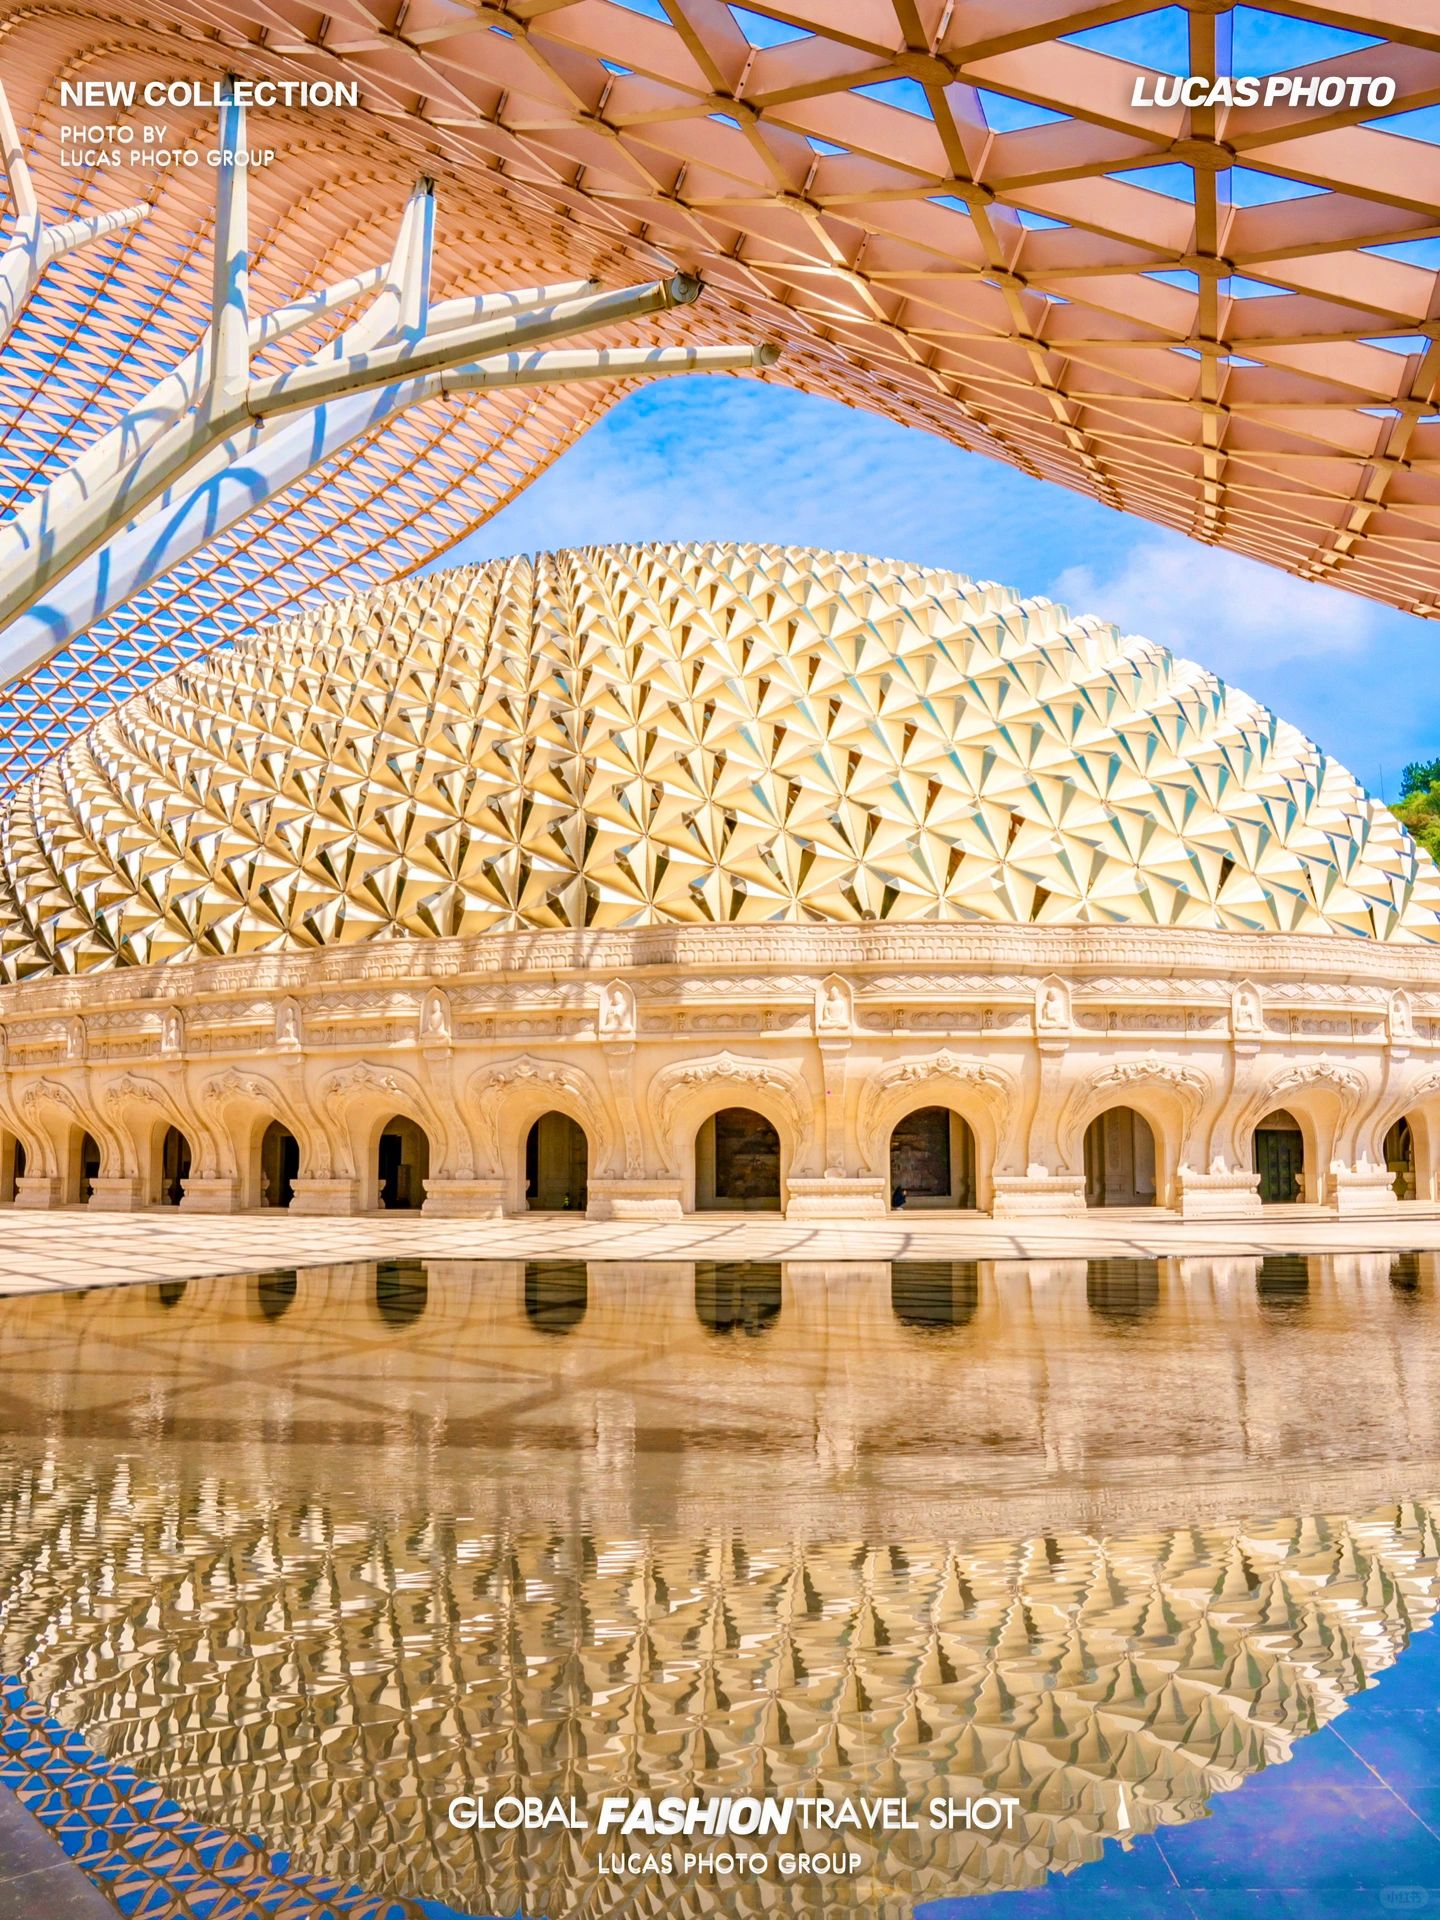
897,1198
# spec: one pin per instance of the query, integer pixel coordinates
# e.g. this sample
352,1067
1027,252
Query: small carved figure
435,1027
1052,1006
617,1008
834,1005
287,1023
1247,1010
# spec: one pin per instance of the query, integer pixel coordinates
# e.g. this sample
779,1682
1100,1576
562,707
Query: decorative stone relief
778,1085
834,1006
435,1028
615,1015
1052,1005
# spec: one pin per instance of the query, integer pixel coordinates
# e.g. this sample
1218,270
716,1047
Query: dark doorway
87,1167
1400,1159
1279,1159
737,1163
1119,1160
932,1160
174,1167
403,1165
13,1169
557,1165
279,1165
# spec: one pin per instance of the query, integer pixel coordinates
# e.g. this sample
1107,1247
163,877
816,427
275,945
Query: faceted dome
637,735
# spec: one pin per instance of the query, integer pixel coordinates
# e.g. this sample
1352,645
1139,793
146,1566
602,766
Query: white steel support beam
33,245
250,467
213,440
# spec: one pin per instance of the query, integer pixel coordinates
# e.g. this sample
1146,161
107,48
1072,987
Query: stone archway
557,1165
1120,1159
172,1160
402,1165
1278,1154
932,1159
1399,1156
737,1163
12,1167
82,1168
279,1165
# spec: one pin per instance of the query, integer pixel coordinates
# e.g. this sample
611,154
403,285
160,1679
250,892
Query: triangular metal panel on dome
475,751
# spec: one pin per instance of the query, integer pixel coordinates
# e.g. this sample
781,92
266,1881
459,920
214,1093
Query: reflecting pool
299,1557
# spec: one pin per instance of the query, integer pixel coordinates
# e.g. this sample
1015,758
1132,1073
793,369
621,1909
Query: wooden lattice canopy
947,211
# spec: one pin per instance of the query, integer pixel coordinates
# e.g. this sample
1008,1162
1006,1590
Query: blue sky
736,459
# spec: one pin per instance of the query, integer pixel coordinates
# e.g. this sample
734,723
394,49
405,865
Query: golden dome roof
624,736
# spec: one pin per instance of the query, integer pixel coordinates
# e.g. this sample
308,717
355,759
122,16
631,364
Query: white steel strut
212,441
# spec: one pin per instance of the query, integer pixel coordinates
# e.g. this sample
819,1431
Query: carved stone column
837,1193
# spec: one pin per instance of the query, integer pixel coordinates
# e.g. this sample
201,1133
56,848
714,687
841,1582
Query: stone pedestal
1029,1196
1217,1196
836,1196
340,1196
214,1195
634,1199
481,1198
1363,1190
117,1193
39,1190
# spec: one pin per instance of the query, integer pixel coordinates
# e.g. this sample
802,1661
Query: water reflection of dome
379,1651
372,1669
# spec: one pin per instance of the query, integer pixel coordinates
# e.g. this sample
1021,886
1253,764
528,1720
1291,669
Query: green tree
1419,805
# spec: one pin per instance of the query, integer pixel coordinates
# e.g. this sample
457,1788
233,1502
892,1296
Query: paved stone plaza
82,1248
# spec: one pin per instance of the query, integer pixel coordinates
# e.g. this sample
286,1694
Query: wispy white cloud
728,459
1235,616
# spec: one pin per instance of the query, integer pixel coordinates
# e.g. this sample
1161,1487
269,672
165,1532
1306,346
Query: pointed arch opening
557,1165
737,1163
173,1163
932,1160
1120,1160
1278,1156
1399,1152
402,1165
279,1165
